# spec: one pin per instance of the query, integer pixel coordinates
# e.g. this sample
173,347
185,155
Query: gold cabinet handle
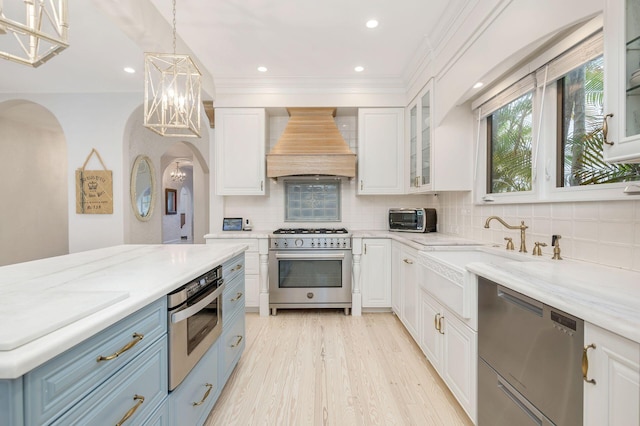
136,338
361,185
206,395
435,321
408,262
238,297
440,325
585,364
365,249
605,128
261,185
139,400
237,267
237,342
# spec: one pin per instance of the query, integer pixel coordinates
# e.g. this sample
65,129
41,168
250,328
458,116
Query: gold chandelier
178,175
34,33
172,92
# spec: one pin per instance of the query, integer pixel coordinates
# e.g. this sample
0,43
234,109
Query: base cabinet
451,347
396,284
409,277
376,273
613,398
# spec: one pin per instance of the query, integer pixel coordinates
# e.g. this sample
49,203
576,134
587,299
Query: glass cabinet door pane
426,139
632,39
413,145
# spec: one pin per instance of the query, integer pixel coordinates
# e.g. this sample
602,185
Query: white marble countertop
417,240
605,296
43,300
237,234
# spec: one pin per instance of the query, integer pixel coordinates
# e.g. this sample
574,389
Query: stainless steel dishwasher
530,360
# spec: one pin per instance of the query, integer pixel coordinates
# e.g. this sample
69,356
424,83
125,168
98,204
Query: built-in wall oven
310,268
530,361
194,322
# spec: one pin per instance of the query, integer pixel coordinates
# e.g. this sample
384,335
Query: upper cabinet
380,151
622,90
240,151
420,141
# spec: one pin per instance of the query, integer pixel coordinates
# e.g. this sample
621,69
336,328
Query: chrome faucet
521,227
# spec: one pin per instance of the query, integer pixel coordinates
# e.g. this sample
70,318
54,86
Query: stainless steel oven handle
314,256
192,310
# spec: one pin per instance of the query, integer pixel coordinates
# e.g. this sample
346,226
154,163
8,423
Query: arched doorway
35,211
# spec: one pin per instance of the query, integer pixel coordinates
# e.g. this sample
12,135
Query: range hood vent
311,144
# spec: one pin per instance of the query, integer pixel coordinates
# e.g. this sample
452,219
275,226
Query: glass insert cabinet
622,81
420,118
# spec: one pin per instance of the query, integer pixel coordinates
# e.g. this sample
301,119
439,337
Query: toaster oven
412,220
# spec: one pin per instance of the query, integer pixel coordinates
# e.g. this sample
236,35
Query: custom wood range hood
311,144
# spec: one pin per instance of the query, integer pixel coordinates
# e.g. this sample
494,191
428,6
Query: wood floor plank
320,367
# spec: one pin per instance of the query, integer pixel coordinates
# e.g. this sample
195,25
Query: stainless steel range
310,268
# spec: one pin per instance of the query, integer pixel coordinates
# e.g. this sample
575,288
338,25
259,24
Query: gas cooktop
310,231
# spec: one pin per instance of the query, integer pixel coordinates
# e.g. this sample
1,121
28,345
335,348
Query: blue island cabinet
192,401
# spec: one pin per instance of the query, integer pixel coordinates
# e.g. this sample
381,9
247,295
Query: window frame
546,156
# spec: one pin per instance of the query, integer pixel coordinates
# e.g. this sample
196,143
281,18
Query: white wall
33,219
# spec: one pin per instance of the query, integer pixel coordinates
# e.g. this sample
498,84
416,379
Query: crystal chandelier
171,92
178,175
33,33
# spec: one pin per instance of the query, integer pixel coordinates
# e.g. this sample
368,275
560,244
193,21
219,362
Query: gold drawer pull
435,321
140,400
585,364
136,338
605,129
408,262
238,297
237,267
206,395
440,325
238,342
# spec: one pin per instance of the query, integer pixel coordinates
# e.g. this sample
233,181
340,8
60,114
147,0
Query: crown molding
289,85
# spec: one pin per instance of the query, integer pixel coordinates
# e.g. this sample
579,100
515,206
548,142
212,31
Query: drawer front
233,298
146,377
11,402
233,267
232,344
55,386
160,417
191,402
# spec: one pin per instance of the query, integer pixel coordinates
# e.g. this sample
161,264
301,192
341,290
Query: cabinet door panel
410,276
460,354
380,151
430,340
376,274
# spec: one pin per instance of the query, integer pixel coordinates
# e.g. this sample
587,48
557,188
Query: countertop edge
19,361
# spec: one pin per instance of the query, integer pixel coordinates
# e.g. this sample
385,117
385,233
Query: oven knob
331,243
285,243
309,295
298,242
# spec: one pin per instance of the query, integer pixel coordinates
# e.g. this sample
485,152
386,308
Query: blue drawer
146,377
233,267
232,343
55,386
233,298
160,417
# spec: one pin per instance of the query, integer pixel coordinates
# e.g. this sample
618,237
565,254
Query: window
312,200
580,138
509,133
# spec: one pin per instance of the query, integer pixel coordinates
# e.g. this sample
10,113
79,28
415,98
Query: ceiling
297,40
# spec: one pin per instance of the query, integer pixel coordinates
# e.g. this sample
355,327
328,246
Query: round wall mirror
143,188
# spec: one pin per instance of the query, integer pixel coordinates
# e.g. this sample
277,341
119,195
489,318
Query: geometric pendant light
171,92
33,32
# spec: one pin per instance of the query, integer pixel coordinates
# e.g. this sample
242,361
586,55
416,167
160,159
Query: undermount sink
462,257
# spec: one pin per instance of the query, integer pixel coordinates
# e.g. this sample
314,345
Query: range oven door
320,278
194,326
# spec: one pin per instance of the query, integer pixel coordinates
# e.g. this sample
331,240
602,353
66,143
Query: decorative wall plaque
94,189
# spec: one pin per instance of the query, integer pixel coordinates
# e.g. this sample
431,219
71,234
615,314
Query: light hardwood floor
320,367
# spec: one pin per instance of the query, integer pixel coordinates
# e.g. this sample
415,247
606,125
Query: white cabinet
380,151
376,273
240,151
613,363
396,285
420,141
622,93
409,276
451,347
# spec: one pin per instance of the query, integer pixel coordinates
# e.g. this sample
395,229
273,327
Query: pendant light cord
174,27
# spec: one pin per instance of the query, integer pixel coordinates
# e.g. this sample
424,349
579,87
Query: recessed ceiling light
262,69
129,70
478,85
372,23
358,69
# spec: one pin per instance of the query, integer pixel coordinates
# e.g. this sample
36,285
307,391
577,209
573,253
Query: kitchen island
52,308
